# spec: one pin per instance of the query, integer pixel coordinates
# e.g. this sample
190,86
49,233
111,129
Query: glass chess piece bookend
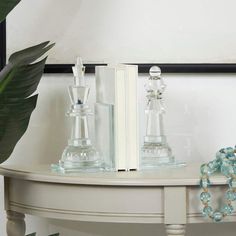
79,155
155,152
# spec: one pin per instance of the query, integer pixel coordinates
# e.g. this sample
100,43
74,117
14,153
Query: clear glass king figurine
155,152
80,155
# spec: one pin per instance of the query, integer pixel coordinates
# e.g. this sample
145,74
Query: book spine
132,134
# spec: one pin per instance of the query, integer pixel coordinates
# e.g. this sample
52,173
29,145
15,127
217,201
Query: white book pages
132,115
120,119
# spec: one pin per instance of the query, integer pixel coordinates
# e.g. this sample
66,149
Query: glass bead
205,170
231,157
227,209
220,155
205,183
226,170
222,150
207,211
230,195
232,183
213,165
229,150
155,71
231,169
205,197
225,161
217,216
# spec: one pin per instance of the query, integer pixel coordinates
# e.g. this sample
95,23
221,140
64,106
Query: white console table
169,196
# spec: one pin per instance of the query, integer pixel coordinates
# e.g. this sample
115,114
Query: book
132,115
116,85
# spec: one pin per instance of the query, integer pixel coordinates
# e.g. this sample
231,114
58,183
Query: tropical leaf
24,81
22,58
29,55
6,6
14,120
19,80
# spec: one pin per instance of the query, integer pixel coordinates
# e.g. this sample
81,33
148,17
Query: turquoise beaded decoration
225,163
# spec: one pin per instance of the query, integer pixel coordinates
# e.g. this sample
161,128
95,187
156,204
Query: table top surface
183,176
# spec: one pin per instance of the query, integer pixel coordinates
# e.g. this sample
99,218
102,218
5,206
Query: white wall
200,119
163,31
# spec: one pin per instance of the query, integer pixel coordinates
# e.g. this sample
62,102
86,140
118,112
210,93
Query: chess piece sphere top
155,72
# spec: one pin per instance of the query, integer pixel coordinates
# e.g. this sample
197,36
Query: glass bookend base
83,158
157,156
160,165
84,167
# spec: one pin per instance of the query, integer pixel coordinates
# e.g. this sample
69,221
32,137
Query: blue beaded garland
225,162
205,197
227,209
229,150
230,195
227,170
217,216
205,170
231,157
207,211
232,183
204,183
213,165
219,155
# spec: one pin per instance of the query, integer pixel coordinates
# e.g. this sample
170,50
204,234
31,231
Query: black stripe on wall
144,68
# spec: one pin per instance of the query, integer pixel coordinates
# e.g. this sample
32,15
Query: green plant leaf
22,58
30,54
6,6
23,81
14,120
19,80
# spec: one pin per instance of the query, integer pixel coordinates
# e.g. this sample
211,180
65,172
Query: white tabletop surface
183,176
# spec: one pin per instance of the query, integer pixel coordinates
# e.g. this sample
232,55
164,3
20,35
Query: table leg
175,230
15,224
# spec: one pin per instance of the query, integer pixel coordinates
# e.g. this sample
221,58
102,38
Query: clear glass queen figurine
79,155
156,152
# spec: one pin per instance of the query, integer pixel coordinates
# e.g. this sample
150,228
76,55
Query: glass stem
80,128
161,124
154,124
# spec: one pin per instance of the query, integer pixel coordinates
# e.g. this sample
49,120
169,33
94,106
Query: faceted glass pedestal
79,159
158,156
